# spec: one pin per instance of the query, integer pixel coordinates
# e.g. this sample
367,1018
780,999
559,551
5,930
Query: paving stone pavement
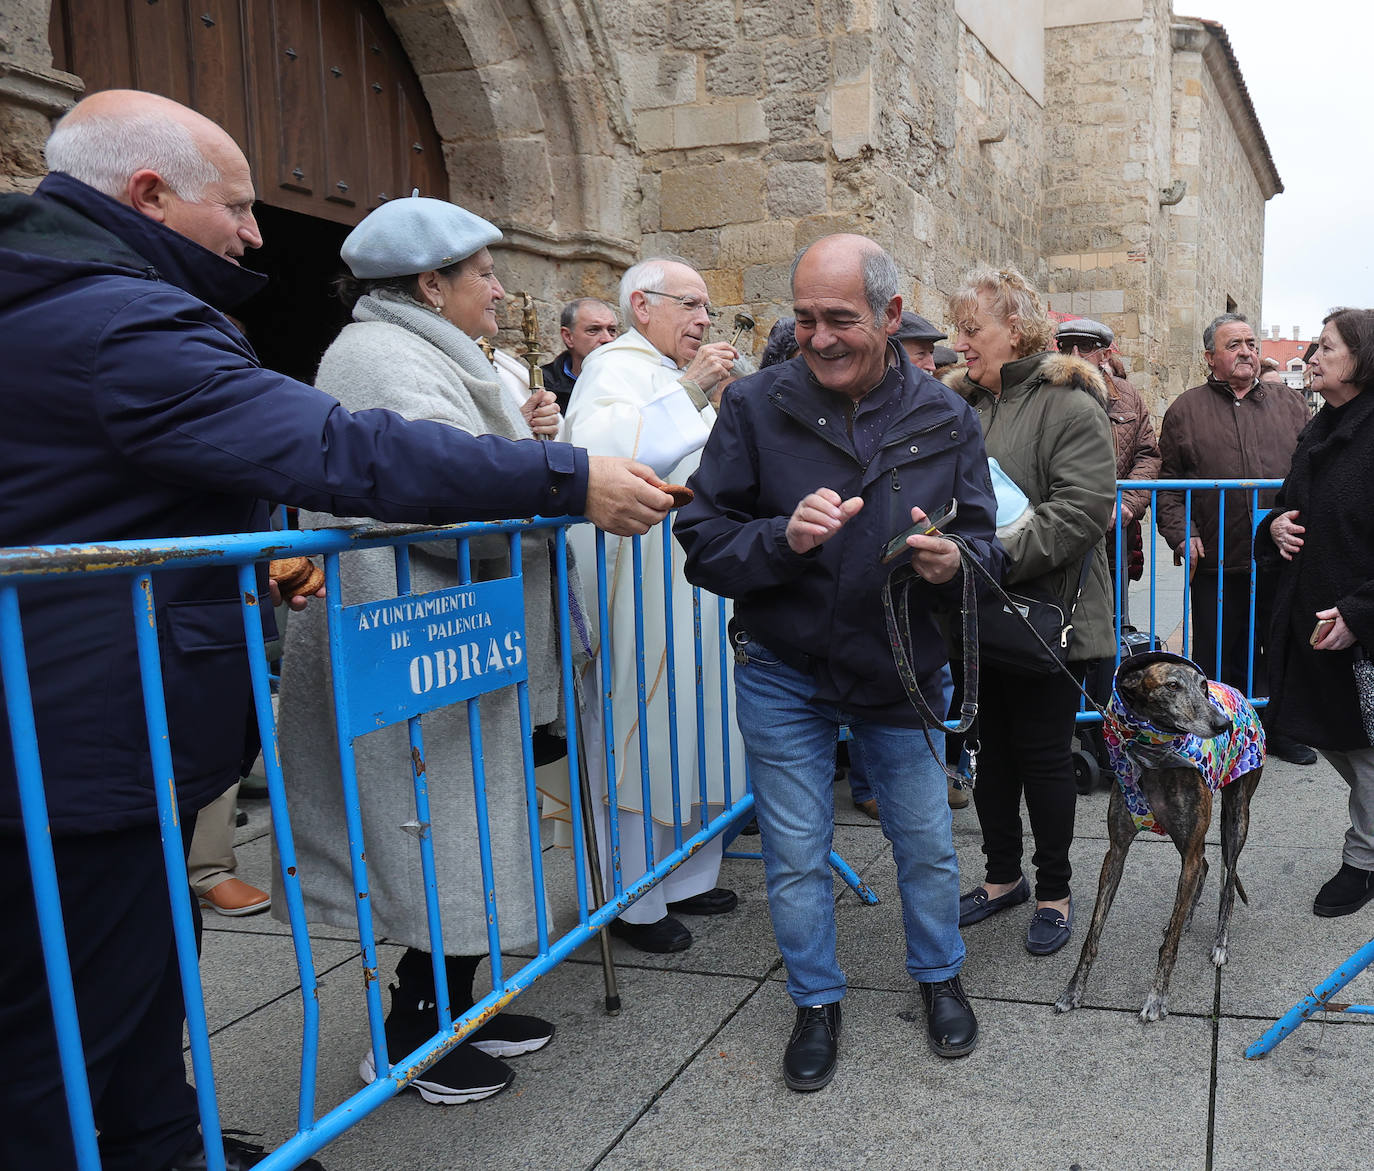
688,1073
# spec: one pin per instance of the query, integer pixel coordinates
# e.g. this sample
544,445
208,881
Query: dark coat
1209,434
134,409
558,380
781,436
1313,692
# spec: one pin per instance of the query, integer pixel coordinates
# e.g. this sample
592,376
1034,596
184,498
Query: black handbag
1028,630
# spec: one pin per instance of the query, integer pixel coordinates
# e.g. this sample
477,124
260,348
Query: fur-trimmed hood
1054,370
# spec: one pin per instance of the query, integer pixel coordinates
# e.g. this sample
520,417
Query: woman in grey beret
424,287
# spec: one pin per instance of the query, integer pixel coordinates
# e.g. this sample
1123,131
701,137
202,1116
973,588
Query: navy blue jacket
780,436
134,409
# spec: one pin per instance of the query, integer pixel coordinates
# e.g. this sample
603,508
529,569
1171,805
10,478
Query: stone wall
32,93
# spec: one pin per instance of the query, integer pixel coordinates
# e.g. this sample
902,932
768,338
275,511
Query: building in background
1105,147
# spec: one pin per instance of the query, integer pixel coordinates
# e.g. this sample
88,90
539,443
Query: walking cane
594,859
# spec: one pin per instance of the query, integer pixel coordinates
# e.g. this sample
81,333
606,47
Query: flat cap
915,328
406,236
1101,336
944,356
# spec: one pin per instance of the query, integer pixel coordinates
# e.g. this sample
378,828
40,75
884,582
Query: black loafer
1290,750
950,1024
711,902
1345,894
1049,930
976,906
667,935
809,1062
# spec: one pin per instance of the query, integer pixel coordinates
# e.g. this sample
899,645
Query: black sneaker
508,1034
1345,894
464,1074
238,1155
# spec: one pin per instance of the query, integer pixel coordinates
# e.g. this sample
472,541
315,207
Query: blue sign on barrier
406,656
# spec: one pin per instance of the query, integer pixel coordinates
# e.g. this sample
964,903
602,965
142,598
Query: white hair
104,151
648,276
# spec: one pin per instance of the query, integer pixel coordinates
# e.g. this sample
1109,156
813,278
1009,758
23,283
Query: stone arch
535,128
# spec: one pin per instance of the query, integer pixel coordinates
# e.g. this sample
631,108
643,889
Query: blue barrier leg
852,879
1315,1002
52,934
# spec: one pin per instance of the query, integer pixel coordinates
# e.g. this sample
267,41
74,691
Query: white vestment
628,402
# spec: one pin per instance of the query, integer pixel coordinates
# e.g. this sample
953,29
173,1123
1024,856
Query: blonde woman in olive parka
1044,422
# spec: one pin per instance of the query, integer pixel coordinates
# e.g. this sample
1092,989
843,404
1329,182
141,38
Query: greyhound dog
1174,738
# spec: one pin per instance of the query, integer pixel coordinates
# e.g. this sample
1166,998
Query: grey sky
1311,79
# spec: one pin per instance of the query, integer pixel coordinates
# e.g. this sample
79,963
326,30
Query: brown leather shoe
233,897
958,798
869,807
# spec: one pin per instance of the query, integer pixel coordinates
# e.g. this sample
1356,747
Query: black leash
898,619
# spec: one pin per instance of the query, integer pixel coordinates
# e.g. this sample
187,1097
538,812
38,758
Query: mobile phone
1319,631
924,528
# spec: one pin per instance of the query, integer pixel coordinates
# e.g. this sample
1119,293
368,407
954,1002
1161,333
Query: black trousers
1235,626
1025,725
129,1003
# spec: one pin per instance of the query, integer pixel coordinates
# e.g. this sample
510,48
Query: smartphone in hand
924,528
1319,631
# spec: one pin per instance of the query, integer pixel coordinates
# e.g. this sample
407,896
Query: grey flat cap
944,356
406,236
915,328
1100,336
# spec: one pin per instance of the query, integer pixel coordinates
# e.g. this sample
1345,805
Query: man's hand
711,364
298,603
621,497
1195,554
819,517
1287,534
934,558
541,412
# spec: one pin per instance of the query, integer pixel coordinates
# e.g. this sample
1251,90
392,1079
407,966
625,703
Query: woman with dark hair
424,287
1321,548
1045,425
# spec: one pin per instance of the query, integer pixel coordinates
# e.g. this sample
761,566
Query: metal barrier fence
380,680
392,663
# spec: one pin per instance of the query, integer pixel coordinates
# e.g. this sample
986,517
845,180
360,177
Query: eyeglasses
1083,346
691,304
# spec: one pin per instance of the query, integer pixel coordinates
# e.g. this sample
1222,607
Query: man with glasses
653,391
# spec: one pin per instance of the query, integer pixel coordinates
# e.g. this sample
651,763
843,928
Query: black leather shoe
1345,894
238,1156
667,935
809,1062
976,906
1293,751
711,902
950,1024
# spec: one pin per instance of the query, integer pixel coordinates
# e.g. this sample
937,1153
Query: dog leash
898,621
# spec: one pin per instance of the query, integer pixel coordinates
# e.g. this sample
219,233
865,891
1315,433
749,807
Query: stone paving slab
1078,1097
1304,1105
569,1101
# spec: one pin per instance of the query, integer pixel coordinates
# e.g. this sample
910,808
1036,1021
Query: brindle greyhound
1173,696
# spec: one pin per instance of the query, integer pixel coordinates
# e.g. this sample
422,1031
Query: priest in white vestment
651,394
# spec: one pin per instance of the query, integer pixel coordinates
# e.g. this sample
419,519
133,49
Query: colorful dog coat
1134,745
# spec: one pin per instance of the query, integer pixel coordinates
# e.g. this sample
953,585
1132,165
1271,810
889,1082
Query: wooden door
318,92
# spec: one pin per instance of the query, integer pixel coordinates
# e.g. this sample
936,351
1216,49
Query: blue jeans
790,742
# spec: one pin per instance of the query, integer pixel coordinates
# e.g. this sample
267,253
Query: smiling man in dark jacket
813,465
135,409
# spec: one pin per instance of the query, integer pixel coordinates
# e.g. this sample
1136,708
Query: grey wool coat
403,357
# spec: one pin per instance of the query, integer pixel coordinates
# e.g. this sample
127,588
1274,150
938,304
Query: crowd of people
156,419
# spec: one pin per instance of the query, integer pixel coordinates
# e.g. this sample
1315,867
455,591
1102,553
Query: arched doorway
322,98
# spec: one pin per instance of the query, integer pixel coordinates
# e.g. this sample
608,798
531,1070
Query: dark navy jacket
132,408
780,436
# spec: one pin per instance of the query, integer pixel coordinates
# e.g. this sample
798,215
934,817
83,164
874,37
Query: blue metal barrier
381,677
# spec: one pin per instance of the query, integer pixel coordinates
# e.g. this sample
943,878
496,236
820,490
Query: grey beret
407,236
1085,327
916,328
